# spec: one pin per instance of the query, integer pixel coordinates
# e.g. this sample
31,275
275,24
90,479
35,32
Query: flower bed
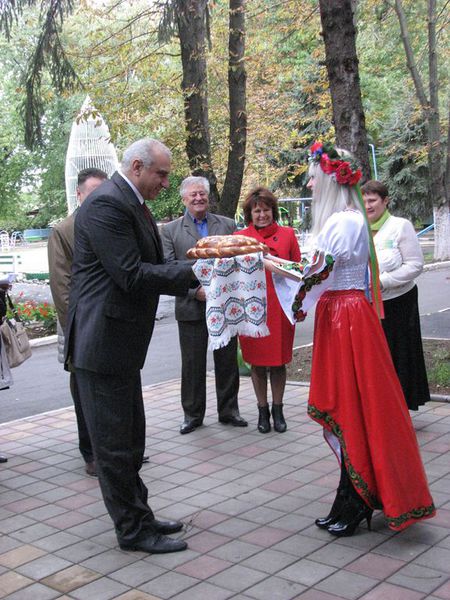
39,318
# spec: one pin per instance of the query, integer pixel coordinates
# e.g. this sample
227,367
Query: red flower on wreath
345,172
355,177
316,147
328,165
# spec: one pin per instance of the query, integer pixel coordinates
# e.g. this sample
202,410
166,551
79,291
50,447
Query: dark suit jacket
117,277
177,237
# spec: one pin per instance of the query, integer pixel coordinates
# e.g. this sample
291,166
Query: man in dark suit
178,236
117,277
60,257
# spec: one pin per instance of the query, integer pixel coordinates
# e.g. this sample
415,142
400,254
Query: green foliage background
134,81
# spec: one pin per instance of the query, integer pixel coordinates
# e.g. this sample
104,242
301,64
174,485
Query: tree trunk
237,77
430,109
339,36
435,152
191,22
442,215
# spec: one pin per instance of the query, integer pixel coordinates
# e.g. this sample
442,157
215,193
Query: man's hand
200,294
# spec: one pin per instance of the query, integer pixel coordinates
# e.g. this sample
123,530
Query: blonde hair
329,196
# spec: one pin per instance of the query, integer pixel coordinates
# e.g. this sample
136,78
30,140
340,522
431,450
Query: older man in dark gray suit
178,236
117,277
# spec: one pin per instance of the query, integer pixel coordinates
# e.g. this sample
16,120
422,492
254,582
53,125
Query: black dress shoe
235,420
155,544
189,425
166,527
3,458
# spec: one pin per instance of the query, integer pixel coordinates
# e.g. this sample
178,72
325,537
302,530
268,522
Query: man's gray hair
143,150
193,180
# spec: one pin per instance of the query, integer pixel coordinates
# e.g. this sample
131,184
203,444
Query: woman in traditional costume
355,393
400,261
269,355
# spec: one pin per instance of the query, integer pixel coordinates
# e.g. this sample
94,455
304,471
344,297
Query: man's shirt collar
133,187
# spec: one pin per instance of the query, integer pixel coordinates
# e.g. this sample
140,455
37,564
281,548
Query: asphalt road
41,384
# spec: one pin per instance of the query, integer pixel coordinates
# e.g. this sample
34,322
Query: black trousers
83,433
194,345
114,412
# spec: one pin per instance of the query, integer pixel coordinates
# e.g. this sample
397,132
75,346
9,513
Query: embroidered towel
236,301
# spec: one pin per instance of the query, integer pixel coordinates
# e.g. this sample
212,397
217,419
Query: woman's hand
269,265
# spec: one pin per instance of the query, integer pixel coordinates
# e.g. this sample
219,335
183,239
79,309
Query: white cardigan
399,256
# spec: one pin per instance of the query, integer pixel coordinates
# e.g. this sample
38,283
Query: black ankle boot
279,424
335,512
354,511
264,419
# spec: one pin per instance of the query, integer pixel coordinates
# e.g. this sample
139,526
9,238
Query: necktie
151,221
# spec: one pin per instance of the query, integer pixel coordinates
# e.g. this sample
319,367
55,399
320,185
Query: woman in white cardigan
400,260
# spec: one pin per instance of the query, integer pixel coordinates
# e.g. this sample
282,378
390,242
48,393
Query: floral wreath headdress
345,171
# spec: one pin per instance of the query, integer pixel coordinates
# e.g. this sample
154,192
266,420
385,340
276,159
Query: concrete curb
439,398
436,265
52,339
44,341
434,397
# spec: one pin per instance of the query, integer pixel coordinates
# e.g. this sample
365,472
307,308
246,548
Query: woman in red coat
269,355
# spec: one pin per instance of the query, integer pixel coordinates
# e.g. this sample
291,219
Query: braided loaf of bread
225,246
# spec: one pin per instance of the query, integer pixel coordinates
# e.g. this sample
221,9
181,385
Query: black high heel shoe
353,513
335,512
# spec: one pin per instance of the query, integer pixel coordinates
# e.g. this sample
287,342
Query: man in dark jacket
60,258
117,277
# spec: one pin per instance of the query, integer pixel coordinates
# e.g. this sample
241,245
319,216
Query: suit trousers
84,440
114,412
194,345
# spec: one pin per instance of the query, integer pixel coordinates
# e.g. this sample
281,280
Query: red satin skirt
356,396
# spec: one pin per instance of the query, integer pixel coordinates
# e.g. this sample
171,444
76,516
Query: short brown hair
375,187
259,194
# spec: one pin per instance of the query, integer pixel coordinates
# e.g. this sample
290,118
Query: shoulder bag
15,338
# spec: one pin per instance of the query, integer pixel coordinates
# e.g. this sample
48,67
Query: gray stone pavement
249,501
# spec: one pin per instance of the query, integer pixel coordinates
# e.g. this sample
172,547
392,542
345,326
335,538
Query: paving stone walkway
249,501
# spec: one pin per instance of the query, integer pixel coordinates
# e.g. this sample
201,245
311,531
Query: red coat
276,349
